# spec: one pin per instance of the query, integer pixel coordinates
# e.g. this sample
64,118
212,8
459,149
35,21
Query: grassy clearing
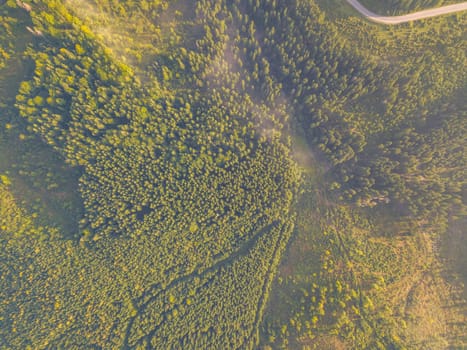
42,182
452,250
335,9
351,281
132,35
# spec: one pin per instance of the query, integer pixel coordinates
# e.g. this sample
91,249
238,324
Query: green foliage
235,287
158,133
379,156
180,192
330,84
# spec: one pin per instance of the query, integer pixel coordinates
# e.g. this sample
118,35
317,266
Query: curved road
409,17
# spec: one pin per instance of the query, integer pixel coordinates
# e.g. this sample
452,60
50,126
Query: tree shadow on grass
40,180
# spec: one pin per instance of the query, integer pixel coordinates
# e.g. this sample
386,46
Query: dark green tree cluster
329,84
422,169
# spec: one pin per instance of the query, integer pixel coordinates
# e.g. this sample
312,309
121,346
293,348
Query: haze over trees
150,182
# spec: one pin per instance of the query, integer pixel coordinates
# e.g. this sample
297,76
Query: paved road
411,16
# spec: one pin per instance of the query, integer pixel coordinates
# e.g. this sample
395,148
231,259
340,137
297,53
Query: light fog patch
128,38
269,113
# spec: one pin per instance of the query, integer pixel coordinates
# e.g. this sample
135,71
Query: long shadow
41,181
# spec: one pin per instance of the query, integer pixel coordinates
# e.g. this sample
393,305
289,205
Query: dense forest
228,175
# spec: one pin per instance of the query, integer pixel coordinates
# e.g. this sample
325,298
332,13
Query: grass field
381,286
